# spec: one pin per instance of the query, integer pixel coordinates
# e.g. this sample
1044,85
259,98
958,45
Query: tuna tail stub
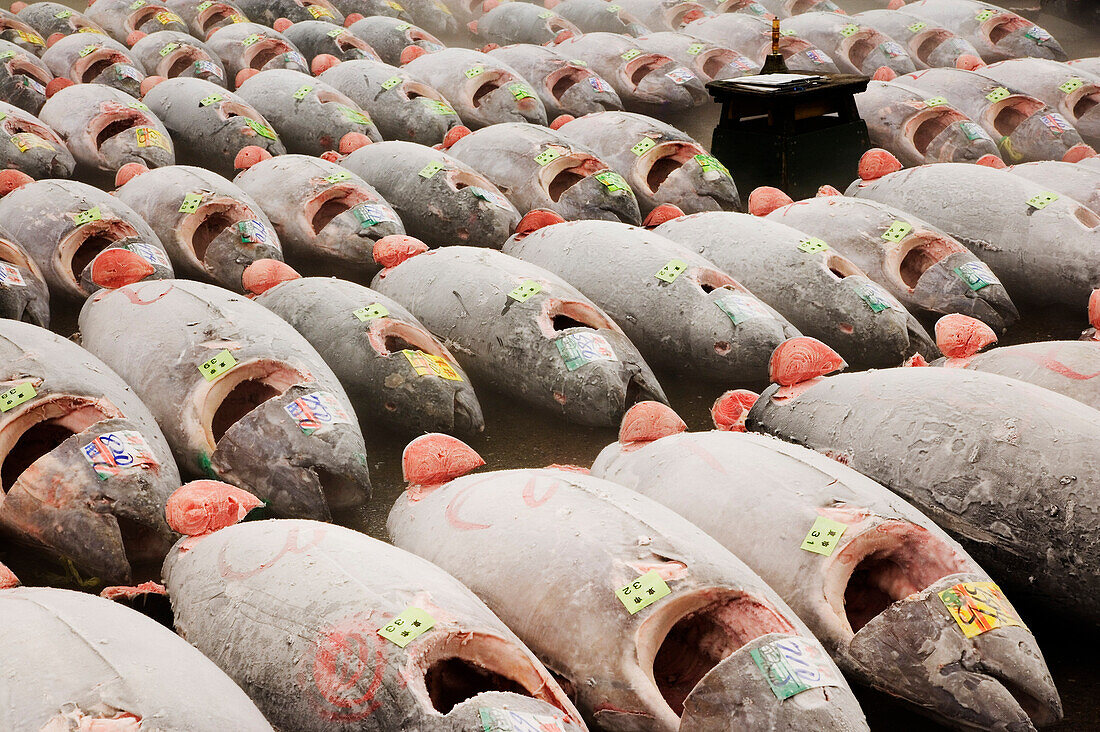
648,421
876,163
766,199
204,506
960,336
729,410
802,359
434,459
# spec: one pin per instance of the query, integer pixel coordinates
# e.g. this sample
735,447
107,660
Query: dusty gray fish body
645,81
24,294
268,11
661,163
702,323
92,58
65,226
200,218
433,16
1017,498
521,22
537,167
1090,65
787,8
48,18
89,659
272,419
315,37
915,261
327,218
443,200
870,594
15,30
707,60
998,34
501,533
917,128
326,668
120,18
86,115
1073,95
31,146
87,470
253,46
171,54
553,349
599,16
565,86
929,44
208,124
1079,182
819,291
664,15
856,48
383,361
482,89
310,116
23,77
1001,226
401,107
373,8
1024,127
752,37
390,36
202,23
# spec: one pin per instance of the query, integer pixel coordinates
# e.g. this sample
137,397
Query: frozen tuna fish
92,58
14,30
242,46
664,15
171,54
564,86
23,292
124,18
599,16
316,37
929,45
49,18
1078,182
267,12
23,78
205,17
29,145
753,37
521,22
432,15
707,60
389,37
998,34
856,48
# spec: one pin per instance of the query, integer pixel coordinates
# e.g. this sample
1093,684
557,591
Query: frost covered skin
23,78
1047,81
316,37
818,290
1017,497
372,8
310,116
520,22
599,16
707,60
266,12
872,602
899,119
325,667
433,16
788,8
234,427
49,18
120,18
929,44
640,78
105,129
752,36
208,124
564,86
681,326
252,46
56,222
19,33
171,54
1001,228
540,168
1080,183
1088,65
916,265
453,205
401,107
1025,128
88,660
664,15
327,217
203,240
547,549
461,295
858,50
92,58
368,357
23,292
463,76
109,520
998,34
217,14
390,36
672,167
30,146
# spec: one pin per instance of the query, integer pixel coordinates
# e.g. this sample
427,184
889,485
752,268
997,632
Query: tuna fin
434,459
392,250
960,336
263,274
766,199
453,135
128,172
204,506
249,156
12,180
57,84
648,421
560,120
729,410
991,161
322,62
281,24
7,578
536,219
801,359
661,214
876,163
828,190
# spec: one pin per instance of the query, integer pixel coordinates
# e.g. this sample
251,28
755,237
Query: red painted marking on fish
529,493
134,294
706,456
453,507
291,546
342,660
1048,361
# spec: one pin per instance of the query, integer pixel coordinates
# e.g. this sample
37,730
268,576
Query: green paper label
431,169
812,244
191,203
643,592
643,146
998,94
371,312
976,275
793,665
261,129
823,536
671,271
391,82
17,395
84,217
897,231
548,155
218,365
1042,200
525,291
302,91
612,180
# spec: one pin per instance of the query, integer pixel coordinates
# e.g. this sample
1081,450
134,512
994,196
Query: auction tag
631,54
204,5
549,155
166,17
811,245
646,144
491,196
979,606
1039,35
336,32
917,27
793,665
973,131
740,307
6,55
87,216
985,15
252,231
149,137
213,98
823,536
696,48
355,116
370,312
152,255
338,176
295,58
612,180
191,203
976,275
168,48
396,6
31,37
520,91
250,39
261,129
218,365
897,231
391,82
643,592
849,30
87,50
681,75
435,106
369,214
115,452
10,275
872,293
427,364
998,94
474,71
319,12
1056,122
402,27
935,102
63,14
577,349
525,290
613,8
1042,200
313,412
28,140
409,625
209,67
431,169
671,271
545,15
302,91
1072,85
709,163
16,395
507,720
126,71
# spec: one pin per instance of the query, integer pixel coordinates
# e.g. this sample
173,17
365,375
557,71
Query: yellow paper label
979,606
409,625
643,592
823,536
215,367
426,364
149,137
16,395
